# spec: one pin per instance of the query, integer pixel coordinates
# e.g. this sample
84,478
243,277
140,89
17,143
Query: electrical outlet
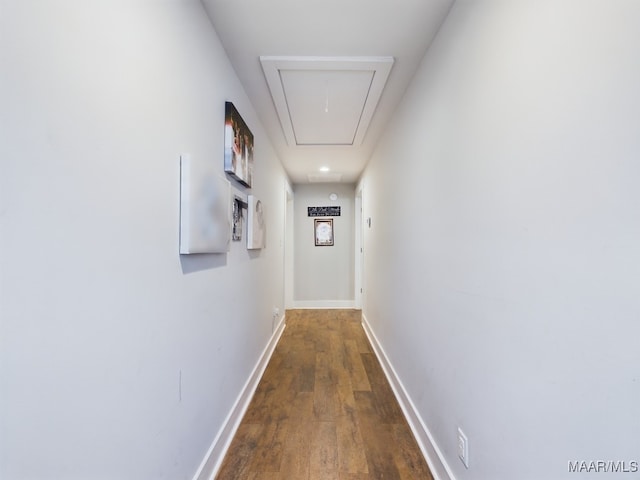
463,448
276,312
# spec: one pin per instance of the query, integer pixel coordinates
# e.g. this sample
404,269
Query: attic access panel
326,100
325,107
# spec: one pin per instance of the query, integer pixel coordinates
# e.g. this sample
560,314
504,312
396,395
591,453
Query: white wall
509,304
118,358
324,276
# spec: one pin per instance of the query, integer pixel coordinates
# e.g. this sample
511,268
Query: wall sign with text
323,211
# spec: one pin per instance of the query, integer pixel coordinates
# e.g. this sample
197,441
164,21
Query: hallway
491,241
324,410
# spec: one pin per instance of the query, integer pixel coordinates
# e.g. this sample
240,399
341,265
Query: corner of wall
218,449
434,457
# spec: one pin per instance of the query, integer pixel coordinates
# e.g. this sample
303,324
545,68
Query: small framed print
323,229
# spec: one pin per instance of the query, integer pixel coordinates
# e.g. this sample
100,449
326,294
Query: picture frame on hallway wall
256,229
323,231
238,218
238,146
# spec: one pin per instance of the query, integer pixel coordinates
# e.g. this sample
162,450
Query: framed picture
238,146
323,229
238,206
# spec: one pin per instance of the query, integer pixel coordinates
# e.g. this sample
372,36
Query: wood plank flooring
324,410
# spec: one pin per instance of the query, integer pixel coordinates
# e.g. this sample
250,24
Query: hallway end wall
324,275
510,305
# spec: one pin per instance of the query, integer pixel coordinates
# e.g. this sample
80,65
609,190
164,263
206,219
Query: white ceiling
322,122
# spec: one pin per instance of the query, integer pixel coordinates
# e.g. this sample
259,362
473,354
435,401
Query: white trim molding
324,304
437,464
213,459
361,97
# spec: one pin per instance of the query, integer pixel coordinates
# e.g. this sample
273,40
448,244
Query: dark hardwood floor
324,410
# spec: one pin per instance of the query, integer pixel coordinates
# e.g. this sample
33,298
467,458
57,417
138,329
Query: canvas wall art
256,229
238,146
205,210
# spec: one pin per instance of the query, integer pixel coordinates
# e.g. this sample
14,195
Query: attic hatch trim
378,67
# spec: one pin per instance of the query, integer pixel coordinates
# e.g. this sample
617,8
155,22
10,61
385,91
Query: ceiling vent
326,100
324,177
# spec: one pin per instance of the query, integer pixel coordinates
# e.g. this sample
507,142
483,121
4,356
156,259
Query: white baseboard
213,460
437,464
323,304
